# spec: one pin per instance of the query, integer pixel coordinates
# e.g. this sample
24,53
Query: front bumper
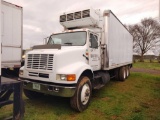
49,88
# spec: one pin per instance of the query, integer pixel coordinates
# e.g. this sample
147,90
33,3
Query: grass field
138,98
147,65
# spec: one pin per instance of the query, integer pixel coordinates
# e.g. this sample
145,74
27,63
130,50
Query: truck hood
66,57
64,49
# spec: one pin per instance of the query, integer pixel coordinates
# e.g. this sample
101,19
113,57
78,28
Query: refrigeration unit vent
70,17
77,15
62,18
86,13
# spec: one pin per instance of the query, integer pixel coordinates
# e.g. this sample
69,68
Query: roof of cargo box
108,12
12,4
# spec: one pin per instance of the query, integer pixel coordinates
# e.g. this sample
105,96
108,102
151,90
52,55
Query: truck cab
84,45
77,49
56,67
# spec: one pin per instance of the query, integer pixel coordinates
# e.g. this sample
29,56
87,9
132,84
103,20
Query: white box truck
11,33
93,48
10,89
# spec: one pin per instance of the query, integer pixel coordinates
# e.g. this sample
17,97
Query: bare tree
145,35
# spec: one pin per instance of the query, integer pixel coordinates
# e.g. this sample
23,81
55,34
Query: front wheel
82,96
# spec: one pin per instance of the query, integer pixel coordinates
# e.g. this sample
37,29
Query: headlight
63,77
20,72
68,77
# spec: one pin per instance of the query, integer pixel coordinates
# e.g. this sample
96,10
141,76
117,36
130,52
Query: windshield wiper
68,43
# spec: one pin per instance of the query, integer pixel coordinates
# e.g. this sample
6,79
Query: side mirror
45,40
93,41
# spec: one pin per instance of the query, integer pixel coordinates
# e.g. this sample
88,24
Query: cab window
94,41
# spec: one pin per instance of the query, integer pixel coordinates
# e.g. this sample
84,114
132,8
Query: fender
76,68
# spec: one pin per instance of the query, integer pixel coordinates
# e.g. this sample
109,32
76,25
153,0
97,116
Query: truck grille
40,61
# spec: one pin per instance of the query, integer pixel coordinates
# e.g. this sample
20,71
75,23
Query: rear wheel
122,74
82,96
32,94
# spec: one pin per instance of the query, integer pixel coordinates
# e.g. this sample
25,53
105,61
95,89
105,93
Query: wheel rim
85,94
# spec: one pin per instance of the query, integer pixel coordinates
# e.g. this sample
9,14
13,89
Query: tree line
146,35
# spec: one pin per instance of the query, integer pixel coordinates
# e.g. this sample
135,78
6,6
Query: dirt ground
142,70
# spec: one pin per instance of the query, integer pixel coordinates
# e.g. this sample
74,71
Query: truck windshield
69,39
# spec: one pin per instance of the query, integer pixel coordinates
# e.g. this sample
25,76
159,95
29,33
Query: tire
82,96
32,94
122,74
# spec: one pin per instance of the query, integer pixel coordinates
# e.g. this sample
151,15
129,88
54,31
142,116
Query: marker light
64,77
71,77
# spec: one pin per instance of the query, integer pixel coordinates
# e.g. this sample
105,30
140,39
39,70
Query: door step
98,86
98,83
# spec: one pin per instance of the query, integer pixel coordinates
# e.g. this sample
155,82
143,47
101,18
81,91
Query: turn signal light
71,77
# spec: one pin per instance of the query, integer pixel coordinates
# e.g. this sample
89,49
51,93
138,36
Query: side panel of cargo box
119,43
11,35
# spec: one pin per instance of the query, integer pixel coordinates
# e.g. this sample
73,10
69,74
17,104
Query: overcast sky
41,17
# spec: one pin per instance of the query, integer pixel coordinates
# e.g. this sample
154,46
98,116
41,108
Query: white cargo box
119,42
11,25
85,18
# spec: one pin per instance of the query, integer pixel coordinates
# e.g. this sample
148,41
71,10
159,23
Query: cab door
94,51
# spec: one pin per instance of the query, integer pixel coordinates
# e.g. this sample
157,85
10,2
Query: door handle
85,57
